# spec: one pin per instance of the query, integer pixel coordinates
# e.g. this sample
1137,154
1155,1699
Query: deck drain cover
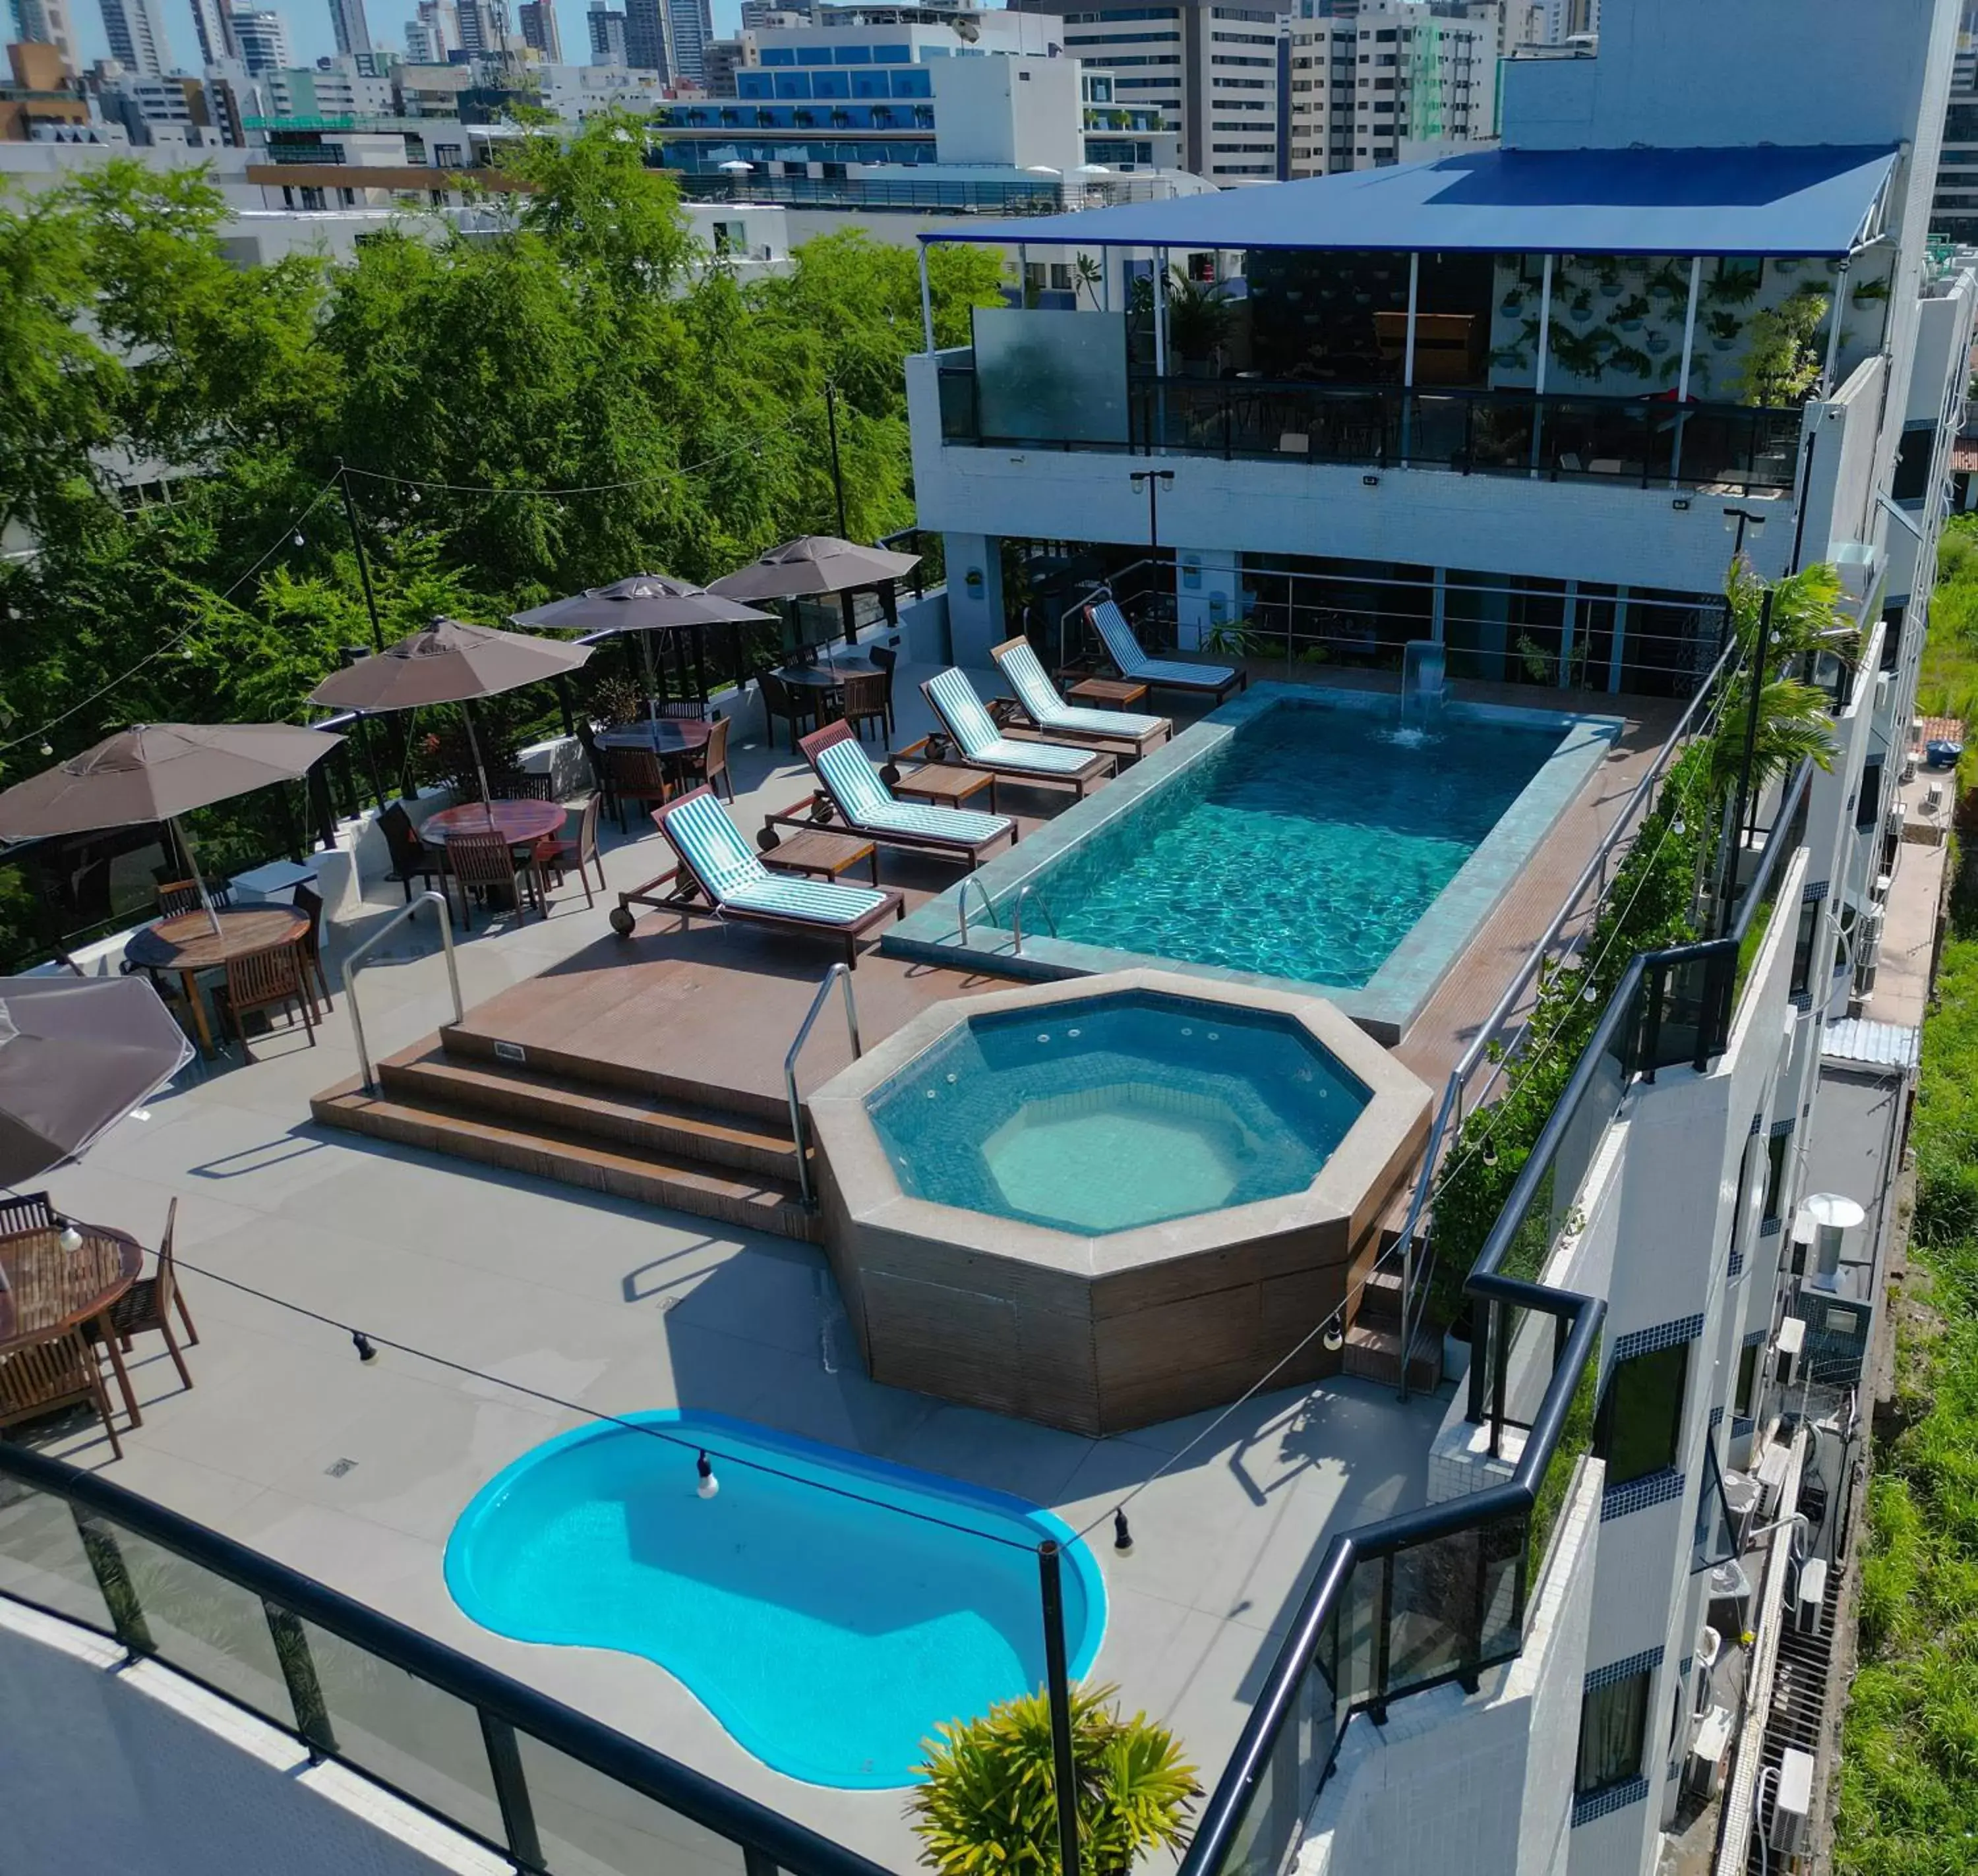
339,1468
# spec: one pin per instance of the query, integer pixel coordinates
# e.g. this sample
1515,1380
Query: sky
310,38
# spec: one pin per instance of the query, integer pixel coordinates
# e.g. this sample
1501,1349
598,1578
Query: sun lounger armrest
803,814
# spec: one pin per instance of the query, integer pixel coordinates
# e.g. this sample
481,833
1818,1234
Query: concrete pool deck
613,1305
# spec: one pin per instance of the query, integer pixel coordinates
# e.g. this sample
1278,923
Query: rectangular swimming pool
1295,835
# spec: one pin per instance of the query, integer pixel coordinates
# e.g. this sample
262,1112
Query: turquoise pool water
828,1608
1306,845
1100,1114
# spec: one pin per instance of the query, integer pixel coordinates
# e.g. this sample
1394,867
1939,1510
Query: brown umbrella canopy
645,603
450,662
814,564
76,1055
156,771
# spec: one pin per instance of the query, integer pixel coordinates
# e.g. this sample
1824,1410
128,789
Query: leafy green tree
989,1803
1793,724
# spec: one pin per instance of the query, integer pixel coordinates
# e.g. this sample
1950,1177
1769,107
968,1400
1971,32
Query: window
1613,1720
1912,477
1868,803
1775,1175
1641,1420
1061,277
1747,1380
1713,1538
1802,962
1739,267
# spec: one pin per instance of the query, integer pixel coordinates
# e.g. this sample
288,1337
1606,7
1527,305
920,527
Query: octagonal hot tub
1104,1202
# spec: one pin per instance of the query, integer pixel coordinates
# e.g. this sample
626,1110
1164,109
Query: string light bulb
1334,1337
708,1485
299,541
71,1238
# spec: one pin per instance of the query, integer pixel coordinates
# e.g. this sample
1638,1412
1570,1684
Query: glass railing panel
957,403
406,1732
1356,1659
591,1825
1438,430
204,1624
1576,1440
1504,1589
1500,433
41,1557
1432,1619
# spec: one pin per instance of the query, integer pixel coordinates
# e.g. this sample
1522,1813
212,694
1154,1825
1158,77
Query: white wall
1014,112
133,1771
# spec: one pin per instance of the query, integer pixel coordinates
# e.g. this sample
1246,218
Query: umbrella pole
646,658
198,878
480,768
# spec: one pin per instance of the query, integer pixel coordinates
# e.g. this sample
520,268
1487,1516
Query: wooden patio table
46,1291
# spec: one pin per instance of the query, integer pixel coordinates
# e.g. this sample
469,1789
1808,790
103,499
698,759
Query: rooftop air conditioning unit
1791,1344
1792,1801
1812,1593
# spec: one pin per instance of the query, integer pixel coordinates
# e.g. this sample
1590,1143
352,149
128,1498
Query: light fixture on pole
1736,522
1153,480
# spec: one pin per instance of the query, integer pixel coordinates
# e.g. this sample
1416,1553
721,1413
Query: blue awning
1824,200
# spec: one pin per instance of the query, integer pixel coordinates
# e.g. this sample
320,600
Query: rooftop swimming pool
1116,1111
828,1608
1295,835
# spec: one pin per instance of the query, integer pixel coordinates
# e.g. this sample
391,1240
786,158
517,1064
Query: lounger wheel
622,920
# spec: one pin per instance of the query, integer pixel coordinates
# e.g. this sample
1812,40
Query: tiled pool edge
1386,1006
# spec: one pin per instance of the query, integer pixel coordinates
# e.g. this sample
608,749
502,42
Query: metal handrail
1017,917
961,906
839,973
354,962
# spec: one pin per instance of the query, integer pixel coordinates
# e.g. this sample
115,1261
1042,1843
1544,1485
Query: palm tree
988,1806
1794,723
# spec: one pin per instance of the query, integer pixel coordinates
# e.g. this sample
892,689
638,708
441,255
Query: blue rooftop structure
1821,199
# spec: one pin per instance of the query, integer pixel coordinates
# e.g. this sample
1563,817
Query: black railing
540,1783
1646,441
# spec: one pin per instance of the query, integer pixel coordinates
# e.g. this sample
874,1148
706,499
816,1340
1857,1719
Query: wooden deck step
531,1099
1373,1352
728,1196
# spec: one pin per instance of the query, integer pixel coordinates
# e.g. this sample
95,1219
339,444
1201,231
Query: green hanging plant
1870,290
1781,364
1670,282
1738,288
1724,328
1636,364
1582,353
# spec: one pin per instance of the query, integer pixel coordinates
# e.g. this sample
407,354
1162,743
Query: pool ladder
837,974
1017,917
989,906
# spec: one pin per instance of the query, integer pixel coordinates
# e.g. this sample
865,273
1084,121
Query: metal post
298,1666
1408,358
1682,375
927,302
837,471
1160,285
363,562
1839,307
511,1792
1545,342
120,1593
1730,884
1059,1686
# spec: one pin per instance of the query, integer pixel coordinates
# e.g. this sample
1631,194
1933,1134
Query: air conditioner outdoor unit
1792,1801
1791,1342
1812,1593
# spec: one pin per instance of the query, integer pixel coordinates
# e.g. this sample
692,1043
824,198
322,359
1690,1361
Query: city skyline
310,35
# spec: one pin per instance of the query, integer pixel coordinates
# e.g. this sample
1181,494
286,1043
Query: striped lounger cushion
738,878
865,801
981,742
1133,662
1038,695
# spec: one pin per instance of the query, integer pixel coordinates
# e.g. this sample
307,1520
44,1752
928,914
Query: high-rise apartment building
213,21
689,32
1396,79
46,22
538,20
136,36
433,33
262,36
1211,69
483,26
347,22
647,30
758,14
607,36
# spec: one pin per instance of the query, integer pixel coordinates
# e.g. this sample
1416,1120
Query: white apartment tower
262,35
352,30
136,36
46,22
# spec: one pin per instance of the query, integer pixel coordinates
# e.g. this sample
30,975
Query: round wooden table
187,943
666,735
520,824
46,1291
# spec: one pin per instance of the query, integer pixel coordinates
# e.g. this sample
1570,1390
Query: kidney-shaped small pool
828,1608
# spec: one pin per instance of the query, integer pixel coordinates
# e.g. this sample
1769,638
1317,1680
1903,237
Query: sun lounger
717,866
1038,700
867,806
980,744
1173,674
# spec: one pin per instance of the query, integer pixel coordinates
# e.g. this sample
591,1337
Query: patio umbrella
76,1054
811,565
158,771
645,602
450,662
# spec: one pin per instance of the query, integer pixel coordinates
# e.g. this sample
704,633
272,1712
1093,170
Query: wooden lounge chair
720,875
979,744
1037,697
1170,674
866,806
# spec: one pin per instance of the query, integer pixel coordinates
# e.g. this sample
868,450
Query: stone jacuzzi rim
861,1175
1389,1002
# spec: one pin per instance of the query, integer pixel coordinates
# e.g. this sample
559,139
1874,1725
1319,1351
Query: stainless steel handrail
354,962
961,905
841,973
1017,917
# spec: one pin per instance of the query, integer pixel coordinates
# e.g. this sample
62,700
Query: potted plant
1724,328
1581,305
1669,281
1658,343
1781,364
1199,319
1607,271
1737,288
1870,290
1512,302
988,1799
1628,316
1629,358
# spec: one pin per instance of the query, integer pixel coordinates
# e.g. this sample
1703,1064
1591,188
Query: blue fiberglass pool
828,1609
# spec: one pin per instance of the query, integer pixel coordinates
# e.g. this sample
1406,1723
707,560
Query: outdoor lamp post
1154,480
1736,522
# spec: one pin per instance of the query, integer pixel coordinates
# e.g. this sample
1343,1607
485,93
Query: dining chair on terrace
411,858
638,779
779,700
863,702
485,862
149,1303
276,979
555,852
690,709
26,1211
600,769
178,896
47,1376
708,765
887,659
307,898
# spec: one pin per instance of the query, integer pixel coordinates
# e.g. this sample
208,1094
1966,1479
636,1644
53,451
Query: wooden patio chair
178,896
148,1304
708,765
307,898
411,859
555,852
47,1376
26,1211
520,786
694,709
779,700
271,979
865,701
485,862
886,658
600,769
638,778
